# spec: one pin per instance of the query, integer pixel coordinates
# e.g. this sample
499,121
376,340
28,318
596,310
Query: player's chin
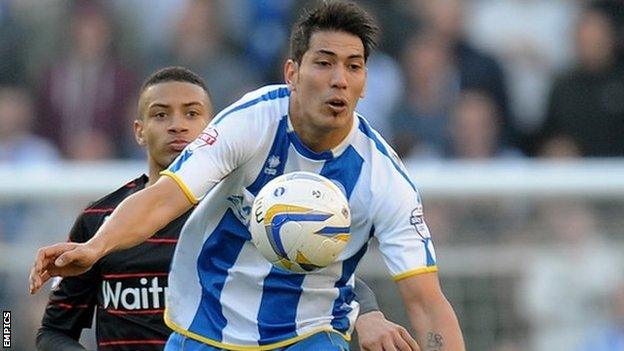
341,121
336,119
329,124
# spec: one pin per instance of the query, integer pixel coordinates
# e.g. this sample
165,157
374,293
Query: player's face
173,115
328,83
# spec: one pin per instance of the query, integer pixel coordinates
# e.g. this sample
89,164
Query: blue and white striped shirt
221,290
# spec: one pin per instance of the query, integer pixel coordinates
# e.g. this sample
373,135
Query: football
300,222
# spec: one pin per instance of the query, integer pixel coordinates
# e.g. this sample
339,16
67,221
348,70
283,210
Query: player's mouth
178,144
337,105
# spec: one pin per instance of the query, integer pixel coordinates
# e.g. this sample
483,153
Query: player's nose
178,123
339,77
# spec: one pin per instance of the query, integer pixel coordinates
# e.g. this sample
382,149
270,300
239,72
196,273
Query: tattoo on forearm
435,342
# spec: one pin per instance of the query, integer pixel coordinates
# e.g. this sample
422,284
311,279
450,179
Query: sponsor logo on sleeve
417,220
206,138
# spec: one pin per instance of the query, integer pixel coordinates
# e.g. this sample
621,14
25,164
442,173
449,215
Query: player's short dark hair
174,74
333,15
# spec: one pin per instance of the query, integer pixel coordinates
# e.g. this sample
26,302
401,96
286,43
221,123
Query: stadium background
509,115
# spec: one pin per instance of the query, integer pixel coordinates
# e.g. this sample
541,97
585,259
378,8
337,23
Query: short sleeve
216,152
400,227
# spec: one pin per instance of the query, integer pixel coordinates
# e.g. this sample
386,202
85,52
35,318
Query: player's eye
192,113
161,114
355,67
323,63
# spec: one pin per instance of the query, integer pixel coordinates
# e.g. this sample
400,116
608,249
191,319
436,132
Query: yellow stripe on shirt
187,192
214,343
413,272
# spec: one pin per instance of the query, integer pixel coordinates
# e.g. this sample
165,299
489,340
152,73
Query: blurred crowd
451,79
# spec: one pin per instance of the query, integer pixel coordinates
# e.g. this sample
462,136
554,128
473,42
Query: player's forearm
54,340
436,325
139,216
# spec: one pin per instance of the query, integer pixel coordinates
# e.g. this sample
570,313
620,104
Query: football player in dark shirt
126,289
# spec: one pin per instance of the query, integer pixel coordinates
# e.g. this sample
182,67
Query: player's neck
153,172
321,142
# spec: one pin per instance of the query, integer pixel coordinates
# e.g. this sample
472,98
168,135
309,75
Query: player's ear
290,74
363,93
139,135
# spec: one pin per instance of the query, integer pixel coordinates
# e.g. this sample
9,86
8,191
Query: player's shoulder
267,103
108,202
268,92
373,140
393,172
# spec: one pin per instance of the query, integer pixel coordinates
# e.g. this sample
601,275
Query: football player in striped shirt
222,293
126,289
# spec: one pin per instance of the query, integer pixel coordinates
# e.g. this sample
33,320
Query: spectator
532,39
475,128
474,132
83,94
200,45
151,22
18,143
615,9
476,69
420,123
586,104
18,146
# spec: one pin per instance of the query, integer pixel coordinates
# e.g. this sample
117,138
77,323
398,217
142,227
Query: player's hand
376,333
65,259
